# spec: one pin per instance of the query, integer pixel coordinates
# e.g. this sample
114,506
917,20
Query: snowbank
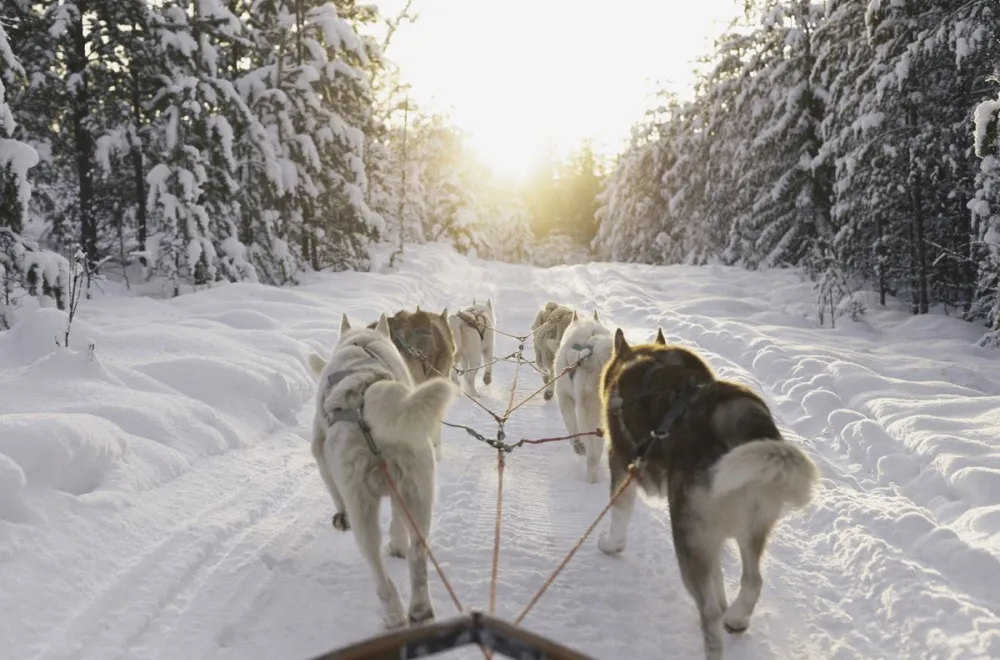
158,499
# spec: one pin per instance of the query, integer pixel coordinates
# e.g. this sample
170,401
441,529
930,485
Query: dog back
428,335
651,382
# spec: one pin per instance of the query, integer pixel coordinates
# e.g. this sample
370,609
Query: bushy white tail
772,467
395,411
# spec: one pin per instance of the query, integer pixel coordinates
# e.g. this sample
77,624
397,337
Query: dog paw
578,447
592,475
548,395
393,621
610,545
487,378
396,550
421,613
735,622
340,522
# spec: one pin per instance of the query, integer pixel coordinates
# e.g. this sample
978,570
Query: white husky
579,391
365,397
475,343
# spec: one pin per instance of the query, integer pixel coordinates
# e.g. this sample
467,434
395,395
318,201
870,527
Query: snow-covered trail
234,556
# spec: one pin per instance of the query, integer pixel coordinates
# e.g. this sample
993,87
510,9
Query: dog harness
477,321
353,415
579,348
661,432
405,346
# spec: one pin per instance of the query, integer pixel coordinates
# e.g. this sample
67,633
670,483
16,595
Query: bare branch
393,24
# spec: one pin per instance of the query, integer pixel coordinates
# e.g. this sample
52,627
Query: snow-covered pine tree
24,266
713,181
791,208
193,188
308,89
985,209
633,212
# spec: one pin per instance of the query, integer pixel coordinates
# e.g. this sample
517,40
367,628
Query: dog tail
394,411
771,467
316,363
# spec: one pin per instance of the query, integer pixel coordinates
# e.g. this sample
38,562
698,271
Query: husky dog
425,341
427,345
587,344
712,447
472,328
547,330
365,396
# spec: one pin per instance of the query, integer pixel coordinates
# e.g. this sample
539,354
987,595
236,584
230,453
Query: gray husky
364,397
547,331
712,448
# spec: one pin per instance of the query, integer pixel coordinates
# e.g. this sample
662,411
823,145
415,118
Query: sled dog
425,341
713,449
428,348
365,395
475,342
547,331
587,344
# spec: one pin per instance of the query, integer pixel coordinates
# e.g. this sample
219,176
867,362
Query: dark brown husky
427,345
712,448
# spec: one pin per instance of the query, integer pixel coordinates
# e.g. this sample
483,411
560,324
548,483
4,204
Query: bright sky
527,76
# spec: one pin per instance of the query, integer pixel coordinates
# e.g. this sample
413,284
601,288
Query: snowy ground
160,500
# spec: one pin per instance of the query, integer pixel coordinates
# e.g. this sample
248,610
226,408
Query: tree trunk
920,246
137,164
83,142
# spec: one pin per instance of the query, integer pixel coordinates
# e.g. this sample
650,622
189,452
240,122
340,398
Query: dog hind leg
550,384
568,409
615,539
487,352
420,503
589,419
364,511
399,539
702,577
737,618
340,520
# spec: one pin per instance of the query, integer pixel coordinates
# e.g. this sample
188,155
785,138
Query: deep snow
158,499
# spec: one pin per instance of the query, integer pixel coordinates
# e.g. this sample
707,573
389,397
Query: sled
475,628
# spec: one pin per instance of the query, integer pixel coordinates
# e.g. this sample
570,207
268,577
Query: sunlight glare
529,77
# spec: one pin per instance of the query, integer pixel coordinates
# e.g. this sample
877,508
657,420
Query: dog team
709,446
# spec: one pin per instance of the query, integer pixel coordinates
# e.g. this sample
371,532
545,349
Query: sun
526,79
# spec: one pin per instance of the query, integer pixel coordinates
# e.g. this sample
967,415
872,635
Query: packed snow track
160,500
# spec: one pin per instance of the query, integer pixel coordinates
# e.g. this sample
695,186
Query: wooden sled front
475,628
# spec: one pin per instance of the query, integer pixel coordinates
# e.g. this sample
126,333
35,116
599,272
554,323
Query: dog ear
418,309
621,346
489,304
344,324
660,339
575,317
444,314
596,317
383,325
